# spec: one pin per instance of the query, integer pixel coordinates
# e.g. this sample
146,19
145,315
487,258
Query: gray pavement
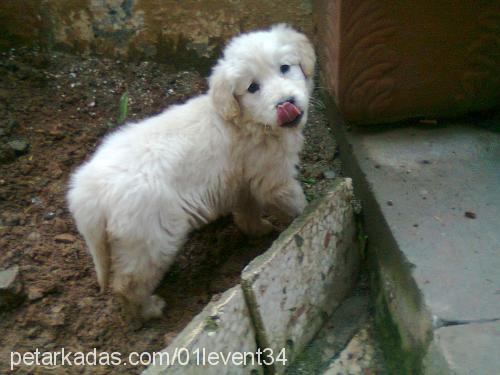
431,207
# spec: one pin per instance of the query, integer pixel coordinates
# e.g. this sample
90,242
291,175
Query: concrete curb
289,292
454,350
224,326
305,275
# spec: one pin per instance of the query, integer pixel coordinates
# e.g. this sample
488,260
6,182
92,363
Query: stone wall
183,33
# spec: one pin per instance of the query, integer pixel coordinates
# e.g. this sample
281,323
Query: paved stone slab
465,349
224,327
333,336
360,356
431,207
305,275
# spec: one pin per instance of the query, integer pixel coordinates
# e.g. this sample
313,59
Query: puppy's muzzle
289,115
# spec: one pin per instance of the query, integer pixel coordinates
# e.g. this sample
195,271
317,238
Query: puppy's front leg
248,216
287,201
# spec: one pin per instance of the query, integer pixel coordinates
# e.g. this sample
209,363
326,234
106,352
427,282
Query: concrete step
431,209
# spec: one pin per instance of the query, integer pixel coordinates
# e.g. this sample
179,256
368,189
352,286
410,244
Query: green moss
308,362
123,108
362,238
211,323
398,360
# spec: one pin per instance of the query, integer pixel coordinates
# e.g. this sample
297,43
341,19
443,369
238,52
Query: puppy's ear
221,91
303,46
306,53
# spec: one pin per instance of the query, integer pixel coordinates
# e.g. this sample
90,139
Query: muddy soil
54,111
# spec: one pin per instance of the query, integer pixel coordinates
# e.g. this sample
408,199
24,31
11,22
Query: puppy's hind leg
137,270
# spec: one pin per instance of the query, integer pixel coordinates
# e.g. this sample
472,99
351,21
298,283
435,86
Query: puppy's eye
254,87
284,68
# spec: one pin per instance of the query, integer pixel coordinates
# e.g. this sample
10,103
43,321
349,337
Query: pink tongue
287,112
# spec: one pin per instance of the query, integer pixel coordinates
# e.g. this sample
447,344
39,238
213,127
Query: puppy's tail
100,250
91,222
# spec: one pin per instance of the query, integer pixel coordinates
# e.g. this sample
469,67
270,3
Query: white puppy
232,150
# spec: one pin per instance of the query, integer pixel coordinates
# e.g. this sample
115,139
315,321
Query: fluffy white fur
150,183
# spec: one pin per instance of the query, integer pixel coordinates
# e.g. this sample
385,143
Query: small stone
33,332
59,225
470,215
67,251
35,293
331,174
20,146
49,215
57,316
36,201
390,203
56,173
8,277
85,302
11,291
65,238
34,237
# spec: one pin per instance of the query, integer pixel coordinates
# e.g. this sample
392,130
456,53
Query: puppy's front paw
287,210
262,228
300,204
253,227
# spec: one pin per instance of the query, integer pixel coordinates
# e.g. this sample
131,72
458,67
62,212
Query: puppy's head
265,79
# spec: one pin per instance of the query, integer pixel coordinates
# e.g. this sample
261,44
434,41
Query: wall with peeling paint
183,33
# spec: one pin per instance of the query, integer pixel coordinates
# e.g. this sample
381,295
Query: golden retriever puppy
231,150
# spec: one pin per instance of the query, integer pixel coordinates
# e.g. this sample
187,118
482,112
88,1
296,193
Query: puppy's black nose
291,99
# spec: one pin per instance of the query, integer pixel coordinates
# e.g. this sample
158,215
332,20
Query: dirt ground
54,110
